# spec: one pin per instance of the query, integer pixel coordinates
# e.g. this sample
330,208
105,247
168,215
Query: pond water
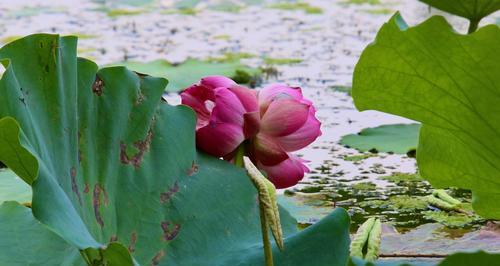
314,46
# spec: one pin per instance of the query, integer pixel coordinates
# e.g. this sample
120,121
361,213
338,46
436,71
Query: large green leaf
114,171
25,241
450,83
398,138
473,10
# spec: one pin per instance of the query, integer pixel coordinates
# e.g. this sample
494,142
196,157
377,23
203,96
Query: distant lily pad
399,138
306,7
189,72
340,88
452,219
281,61
125,2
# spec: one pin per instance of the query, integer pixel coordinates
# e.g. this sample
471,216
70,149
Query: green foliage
9,39
123,12
373,243
13,188
402,178
451,219
364,186
307,8
379,11
187,73
479,258
451,85
473,10
400,138
344,89
366,241
360,2
229,57
281,61
402,203
115,174
357,158
25,241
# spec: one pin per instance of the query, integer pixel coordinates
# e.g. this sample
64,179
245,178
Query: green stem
238,159
474,23
85,257
268,252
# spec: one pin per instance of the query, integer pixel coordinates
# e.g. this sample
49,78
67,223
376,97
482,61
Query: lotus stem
268,251
473,25
238,159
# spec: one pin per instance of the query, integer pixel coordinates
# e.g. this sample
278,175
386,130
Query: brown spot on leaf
97,86
133,239
165,196
96,201
193,169
80,156
140,99
156,259
74,185
113,238
141,145
105,196
170,232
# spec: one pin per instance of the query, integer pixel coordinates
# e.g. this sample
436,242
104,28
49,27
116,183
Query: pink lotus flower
270,124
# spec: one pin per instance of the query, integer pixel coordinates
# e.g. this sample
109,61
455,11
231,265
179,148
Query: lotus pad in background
452,86
187,73
399,138
115,174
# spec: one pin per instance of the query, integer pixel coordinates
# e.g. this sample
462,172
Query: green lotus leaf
115,175
398,138
452,86
473,10
25,241
13,188
189,72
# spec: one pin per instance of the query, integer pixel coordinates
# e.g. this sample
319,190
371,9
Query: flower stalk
268,209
